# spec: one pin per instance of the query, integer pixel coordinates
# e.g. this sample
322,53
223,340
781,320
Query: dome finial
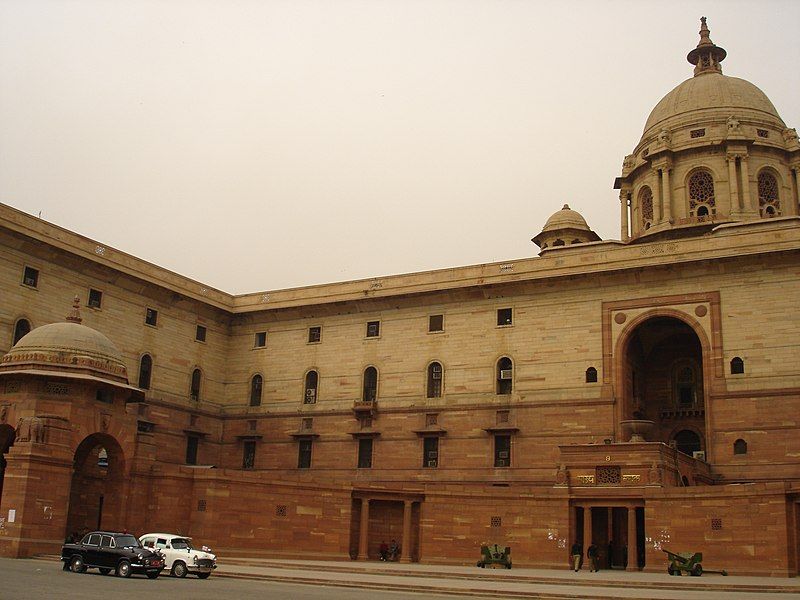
74,315
707,57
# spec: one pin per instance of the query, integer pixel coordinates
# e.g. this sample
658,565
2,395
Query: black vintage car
109,551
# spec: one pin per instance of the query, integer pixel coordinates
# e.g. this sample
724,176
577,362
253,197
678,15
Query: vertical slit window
145,371
256,386
194,390
370,393
434,380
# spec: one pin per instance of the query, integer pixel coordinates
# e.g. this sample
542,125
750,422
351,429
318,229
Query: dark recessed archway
662,378
96,493
7,435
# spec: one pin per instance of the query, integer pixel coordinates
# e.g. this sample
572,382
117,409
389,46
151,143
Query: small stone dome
715,94
566,218
67,346
564,228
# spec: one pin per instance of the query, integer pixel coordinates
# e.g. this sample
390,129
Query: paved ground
334,580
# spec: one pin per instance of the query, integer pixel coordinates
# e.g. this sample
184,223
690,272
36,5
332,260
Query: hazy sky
257,145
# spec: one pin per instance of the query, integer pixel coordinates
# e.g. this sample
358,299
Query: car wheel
203,575
124,569
77,565
152,574
179,569
105,571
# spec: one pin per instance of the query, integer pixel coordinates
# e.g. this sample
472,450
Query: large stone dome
716,95
67,347
566,218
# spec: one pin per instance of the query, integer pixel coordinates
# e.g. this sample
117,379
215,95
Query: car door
108,553
90,548
163,547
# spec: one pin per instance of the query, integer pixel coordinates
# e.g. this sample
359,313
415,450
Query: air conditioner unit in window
505,374
699,455
431,463
500,463
311,396
437,375
432,455
503,454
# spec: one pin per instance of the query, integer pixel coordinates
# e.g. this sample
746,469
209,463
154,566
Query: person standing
591,553
577,554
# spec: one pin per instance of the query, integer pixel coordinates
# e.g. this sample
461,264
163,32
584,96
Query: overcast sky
259,145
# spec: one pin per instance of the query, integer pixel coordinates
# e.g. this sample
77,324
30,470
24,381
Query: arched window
701,194
686,383
145,371
312,382
646,206
768,200
256,385
576,241
687,441
370,393
434,380
558,242
591,375
505,375
194,391
740,447
737,366
21,329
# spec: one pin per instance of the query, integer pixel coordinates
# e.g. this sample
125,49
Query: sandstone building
643,390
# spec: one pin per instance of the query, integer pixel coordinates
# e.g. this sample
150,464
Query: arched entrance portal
663,382
6,441
96,494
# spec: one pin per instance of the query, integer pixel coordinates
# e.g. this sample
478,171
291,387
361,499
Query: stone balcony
365,408
615,467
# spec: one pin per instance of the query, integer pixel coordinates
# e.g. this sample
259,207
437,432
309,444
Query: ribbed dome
718,96
566,218
70,347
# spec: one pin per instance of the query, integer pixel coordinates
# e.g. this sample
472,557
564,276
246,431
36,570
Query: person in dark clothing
577,554
591,554
384,551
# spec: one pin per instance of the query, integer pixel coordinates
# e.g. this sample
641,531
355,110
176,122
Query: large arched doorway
6,441
96,494
663,382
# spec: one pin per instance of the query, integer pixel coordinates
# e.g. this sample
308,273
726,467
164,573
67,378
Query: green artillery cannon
687,561
495,554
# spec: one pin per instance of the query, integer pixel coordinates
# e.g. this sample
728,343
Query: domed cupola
565,228
67,349
713,150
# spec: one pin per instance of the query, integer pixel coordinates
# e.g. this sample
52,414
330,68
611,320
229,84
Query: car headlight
140,556
194,558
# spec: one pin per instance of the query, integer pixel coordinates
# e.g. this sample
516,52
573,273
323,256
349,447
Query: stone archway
96,493
663,378
7,435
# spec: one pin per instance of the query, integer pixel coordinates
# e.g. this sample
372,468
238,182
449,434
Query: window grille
608,475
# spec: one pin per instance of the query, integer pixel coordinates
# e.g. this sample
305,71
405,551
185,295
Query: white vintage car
180,557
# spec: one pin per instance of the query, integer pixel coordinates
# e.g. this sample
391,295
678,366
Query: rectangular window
249,454
304,454
95,298
151,317
30,277
261,339
430,454
105,395
191,450
504,316
373,328
365,453
502,451
436,323
314,334
200,333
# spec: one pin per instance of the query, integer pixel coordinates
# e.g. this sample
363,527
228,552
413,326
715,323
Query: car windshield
127,541
181,544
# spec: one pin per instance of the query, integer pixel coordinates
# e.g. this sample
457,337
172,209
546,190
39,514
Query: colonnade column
749,204
792,205
633,564
623,214
666,193
736,207
405,547
658,198
363,533
587,527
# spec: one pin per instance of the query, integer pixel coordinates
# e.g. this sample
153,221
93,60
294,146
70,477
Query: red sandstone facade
642,391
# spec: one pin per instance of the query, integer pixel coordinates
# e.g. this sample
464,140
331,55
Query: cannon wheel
481,565
697,570
670,569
